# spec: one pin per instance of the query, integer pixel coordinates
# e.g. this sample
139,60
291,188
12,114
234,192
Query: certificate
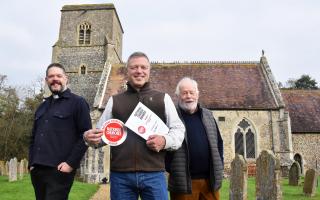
144,122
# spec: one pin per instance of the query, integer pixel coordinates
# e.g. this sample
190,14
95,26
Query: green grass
23,189
288,192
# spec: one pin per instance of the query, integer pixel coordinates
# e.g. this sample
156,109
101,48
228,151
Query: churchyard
266,185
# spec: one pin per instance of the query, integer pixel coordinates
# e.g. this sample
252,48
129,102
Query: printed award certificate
144,122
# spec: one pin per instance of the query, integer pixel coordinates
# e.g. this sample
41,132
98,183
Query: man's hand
64,167
156,142
93,136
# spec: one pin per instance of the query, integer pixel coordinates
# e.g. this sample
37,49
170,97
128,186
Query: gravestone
294,174
310,181
13,169
22,168
6,169
2,167
238,179
26,170
268,177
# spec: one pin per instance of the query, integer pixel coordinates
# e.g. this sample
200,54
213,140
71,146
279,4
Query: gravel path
102,193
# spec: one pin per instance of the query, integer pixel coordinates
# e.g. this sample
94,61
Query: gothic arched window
84,33
244,140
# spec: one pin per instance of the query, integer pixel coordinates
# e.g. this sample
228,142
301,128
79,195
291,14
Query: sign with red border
114,132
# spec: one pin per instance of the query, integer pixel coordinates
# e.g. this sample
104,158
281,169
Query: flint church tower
90,40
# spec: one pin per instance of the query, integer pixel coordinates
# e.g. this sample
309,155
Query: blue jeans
131,185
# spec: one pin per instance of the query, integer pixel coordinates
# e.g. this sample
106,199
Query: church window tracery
245,140
84,33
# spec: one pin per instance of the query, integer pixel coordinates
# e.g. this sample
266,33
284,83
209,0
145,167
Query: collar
65,94
145,87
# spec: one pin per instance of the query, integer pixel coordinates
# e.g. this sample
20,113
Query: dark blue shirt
198,144
58,129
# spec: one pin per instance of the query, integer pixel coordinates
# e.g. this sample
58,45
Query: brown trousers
200,191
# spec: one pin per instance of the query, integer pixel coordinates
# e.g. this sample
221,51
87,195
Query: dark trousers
51,184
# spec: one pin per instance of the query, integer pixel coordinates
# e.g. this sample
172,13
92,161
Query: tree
304,82
9,112
291,83
16,120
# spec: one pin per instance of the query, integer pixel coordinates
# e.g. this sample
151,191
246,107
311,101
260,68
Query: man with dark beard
56,146
196,169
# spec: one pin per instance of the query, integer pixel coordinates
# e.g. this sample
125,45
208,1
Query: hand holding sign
93,136
156,142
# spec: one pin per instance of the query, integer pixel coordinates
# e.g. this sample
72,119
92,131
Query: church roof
304,110
222,85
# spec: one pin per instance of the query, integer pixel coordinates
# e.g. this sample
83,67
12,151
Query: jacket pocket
62,121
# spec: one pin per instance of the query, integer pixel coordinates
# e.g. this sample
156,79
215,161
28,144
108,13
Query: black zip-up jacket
57,132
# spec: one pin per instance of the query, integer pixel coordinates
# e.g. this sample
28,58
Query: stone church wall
72,59
308,146
261,121
105,45
101,24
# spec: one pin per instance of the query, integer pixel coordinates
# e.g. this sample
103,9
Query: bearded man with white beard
196,169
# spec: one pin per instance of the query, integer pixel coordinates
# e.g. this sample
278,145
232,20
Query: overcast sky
174,30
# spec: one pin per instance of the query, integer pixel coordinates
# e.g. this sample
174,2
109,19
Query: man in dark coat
57,145
196,169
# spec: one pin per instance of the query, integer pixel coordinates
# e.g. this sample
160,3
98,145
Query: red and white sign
114,132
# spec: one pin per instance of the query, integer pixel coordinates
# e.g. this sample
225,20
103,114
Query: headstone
6,170
22,168
18,170
268,177
26,170
294,174
310,181
13,169
2,167
238,179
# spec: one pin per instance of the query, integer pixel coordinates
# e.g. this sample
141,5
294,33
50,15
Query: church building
253,114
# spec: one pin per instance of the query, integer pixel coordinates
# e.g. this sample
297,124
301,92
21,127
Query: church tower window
245,140
83,69
84,33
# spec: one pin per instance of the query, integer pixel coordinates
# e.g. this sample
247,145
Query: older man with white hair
196,169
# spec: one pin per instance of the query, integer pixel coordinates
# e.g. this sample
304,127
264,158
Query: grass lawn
23,190
288,192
